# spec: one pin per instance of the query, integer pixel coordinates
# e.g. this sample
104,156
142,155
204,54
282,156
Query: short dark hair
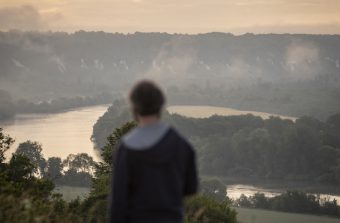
147,98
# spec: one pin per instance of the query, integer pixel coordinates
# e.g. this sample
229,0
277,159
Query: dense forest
250,147
288,74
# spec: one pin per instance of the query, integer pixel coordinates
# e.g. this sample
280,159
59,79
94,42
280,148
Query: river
196,111
69,132
60,134
234,191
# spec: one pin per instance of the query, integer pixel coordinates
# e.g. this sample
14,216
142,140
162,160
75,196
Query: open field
70,193
247,215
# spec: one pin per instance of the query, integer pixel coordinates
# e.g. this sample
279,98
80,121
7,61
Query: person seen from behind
155,166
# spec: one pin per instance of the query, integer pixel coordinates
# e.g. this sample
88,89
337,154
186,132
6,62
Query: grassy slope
246,215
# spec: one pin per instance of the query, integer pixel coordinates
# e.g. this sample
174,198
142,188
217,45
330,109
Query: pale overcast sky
181,16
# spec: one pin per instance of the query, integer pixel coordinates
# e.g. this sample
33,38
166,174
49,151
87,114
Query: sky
173,16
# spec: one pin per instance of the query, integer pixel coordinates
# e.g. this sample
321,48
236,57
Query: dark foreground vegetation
75,170
307,150
26,189
27,196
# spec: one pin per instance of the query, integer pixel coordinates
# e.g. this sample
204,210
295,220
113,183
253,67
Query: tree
260,201
54,168
20,168
108,152
104,169
79,170
243,201
33,150
80,162
5,143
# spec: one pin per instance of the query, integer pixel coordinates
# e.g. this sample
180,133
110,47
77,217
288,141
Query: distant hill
281,73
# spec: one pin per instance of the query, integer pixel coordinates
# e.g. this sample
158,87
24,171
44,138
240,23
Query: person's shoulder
180,137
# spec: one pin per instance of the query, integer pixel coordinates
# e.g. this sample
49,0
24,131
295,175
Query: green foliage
24,197
33,151
54,168
20,168
5,143
109,150
97,201
203,209
80,162
250,147
116,115
104,169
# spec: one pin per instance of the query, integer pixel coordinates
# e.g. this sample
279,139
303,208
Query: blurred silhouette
155,166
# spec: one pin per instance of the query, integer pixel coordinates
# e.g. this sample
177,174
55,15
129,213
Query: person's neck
144,121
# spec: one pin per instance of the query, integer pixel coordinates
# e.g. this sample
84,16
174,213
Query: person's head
147,100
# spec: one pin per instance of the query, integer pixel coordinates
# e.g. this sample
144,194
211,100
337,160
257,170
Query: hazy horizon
191,17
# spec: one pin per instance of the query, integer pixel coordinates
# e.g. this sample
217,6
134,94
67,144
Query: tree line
9,107
74,170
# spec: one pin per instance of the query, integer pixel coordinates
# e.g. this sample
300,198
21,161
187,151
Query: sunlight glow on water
60,134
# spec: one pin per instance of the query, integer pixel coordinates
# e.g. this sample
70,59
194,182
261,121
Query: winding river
69,132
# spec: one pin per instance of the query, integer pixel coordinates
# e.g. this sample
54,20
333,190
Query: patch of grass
71,193
248,215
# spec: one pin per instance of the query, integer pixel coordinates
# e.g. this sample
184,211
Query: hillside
287,74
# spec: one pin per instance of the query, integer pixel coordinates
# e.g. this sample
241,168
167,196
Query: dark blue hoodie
154,169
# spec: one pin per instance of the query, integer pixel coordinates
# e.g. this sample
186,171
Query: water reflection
60,134
234,192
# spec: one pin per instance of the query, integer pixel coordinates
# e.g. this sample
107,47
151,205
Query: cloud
25,17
